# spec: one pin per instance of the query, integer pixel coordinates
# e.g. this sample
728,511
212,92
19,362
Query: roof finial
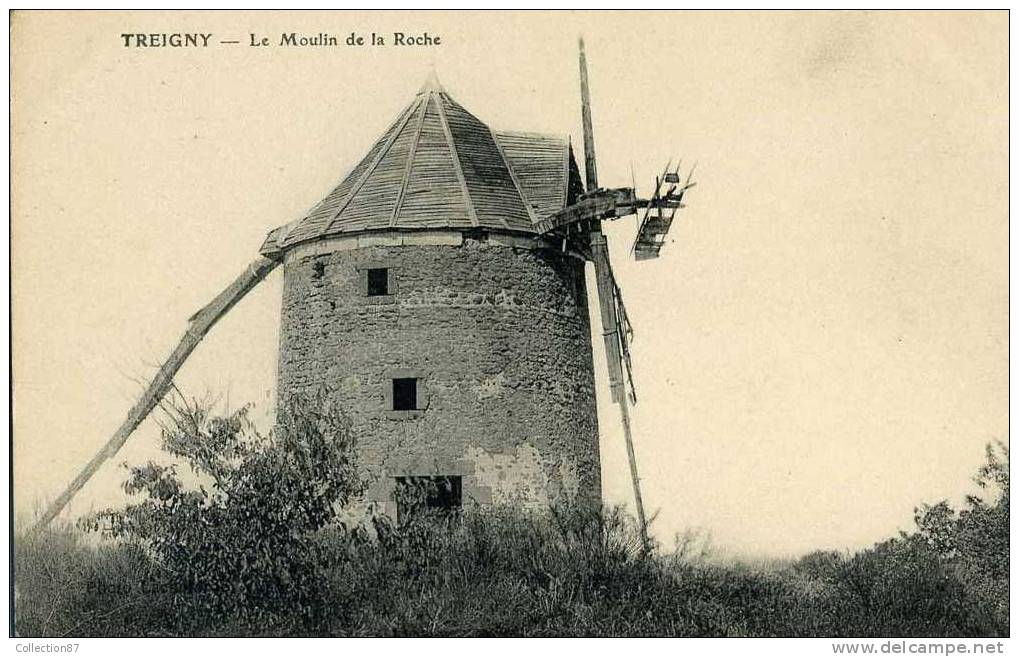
432,84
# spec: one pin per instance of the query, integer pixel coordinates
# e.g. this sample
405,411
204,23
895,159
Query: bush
902,588
973,542
949,577
241,545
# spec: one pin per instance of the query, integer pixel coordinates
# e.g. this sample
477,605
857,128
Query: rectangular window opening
441,495
378,282
405,394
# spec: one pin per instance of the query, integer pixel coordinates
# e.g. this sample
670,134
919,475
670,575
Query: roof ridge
423,107
409,112
516,183
524,202
457,166
561,136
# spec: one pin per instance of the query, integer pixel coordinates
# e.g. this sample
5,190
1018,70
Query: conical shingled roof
439,167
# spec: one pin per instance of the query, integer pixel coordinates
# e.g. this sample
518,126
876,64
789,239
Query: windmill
438,166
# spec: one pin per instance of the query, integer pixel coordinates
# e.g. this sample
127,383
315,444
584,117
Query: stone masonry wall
500,339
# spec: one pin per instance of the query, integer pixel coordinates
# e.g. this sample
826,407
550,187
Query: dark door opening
438,495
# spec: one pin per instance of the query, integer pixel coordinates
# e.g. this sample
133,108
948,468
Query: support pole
624,408
610,332
606,297
199,325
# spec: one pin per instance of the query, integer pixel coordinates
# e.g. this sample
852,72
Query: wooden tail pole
611,328
624,408
198,327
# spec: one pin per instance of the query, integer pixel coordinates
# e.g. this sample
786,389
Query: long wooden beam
606,296
596,206
591,208
613,356
590,169
198,327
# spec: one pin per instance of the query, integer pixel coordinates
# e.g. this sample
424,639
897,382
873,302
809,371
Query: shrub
973,542
240,545
949,577
903,588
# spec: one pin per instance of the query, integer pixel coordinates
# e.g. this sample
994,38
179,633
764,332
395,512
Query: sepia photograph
572,323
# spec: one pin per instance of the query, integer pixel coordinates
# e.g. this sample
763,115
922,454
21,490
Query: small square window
378,282
405,394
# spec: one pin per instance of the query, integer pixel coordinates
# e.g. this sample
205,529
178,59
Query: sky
821,347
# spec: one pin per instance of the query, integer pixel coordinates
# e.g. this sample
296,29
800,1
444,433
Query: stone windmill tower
439,292
457,339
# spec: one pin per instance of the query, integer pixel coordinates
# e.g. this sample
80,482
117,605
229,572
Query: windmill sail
661,209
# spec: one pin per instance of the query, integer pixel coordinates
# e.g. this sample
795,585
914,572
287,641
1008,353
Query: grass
257,550
503,573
